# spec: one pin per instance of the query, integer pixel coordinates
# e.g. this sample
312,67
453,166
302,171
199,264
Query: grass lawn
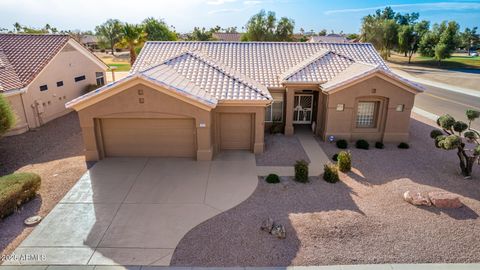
120,66
456,61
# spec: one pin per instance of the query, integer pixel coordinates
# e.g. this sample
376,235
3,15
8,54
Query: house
195,99
330,38
227,36
90,42
40,73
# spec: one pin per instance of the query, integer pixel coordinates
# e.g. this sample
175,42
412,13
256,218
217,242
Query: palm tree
133,36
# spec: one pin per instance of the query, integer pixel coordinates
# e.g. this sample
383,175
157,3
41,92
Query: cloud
252,3
219,2
417,6
225,10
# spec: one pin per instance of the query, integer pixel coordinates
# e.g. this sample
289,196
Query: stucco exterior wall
20,120
392,126
65,66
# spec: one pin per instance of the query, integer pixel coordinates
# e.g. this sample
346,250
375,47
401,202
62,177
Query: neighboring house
89,41
227,36
195,99
330,38
40,73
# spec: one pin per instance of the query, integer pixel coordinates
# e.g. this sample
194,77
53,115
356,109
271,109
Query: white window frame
376,106
102,76
278,100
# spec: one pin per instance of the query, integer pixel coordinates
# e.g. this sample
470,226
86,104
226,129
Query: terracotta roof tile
28,54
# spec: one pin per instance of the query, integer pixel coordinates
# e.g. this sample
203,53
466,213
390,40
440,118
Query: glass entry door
303,109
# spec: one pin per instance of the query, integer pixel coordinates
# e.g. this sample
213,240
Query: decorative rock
32,220
442,199
416,198
267,225
279,231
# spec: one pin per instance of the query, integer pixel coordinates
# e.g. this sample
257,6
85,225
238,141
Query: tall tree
133,36
441,41
409,37
381,29
111,31
202,34
158,30
470,39
323,32
263,26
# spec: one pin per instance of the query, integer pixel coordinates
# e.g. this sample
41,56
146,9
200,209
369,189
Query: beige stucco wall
392,126
65,66
20,120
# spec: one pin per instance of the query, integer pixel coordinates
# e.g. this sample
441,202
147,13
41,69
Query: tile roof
329,39
8,77
28,54
263,62
227,36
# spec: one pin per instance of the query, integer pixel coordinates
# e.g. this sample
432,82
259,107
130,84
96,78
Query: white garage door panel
149,137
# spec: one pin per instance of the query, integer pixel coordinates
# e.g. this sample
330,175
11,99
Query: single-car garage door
150,137
236,131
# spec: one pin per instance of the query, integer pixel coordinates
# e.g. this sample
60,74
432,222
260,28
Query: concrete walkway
134,211
315,153
473,266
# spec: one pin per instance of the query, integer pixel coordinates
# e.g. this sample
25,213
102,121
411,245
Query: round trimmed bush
330,173
16,189
344,161
272,178
379,145
403,145
362,144
335,157
301,171
342,144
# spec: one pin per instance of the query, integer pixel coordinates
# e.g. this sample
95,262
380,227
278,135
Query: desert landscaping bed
281,150
361,219
54,152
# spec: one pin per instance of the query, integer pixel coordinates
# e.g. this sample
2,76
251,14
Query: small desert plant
272,178
342,144
344,161
330,173
403,145
7,117
362,144
16,189
335,157
301,171
379,145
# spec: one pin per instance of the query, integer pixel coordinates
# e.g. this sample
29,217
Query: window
366,114
100,79
60,84
80,78
43,87
274,112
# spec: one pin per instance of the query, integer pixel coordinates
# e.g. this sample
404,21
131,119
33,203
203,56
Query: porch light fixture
340,107
400,108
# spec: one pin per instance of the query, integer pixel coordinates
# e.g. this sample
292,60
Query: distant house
227,36
40,73
330,38
89,41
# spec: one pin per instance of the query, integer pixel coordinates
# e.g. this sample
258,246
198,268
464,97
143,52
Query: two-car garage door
150,137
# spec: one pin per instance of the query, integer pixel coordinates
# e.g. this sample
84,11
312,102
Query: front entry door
303,107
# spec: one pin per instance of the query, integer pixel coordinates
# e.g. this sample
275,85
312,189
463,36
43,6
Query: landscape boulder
442,199
267,225
416,198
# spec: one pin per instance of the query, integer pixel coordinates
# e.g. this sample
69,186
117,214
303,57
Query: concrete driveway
134,211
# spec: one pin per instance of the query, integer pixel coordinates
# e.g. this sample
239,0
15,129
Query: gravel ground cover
54,151
281,150
360,220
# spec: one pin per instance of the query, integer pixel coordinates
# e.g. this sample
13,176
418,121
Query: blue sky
185,14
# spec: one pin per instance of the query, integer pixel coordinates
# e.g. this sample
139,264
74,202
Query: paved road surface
440,101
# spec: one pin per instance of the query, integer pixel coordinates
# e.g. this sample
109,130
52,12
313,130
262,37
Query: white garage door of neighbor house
148,137
236,131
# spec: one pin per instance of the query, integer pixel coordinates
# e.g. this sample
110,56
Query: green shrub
272,178
301,171
362,144
335,157
342,144
403,145
16,189
344,161
379,145
7,118
330,173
